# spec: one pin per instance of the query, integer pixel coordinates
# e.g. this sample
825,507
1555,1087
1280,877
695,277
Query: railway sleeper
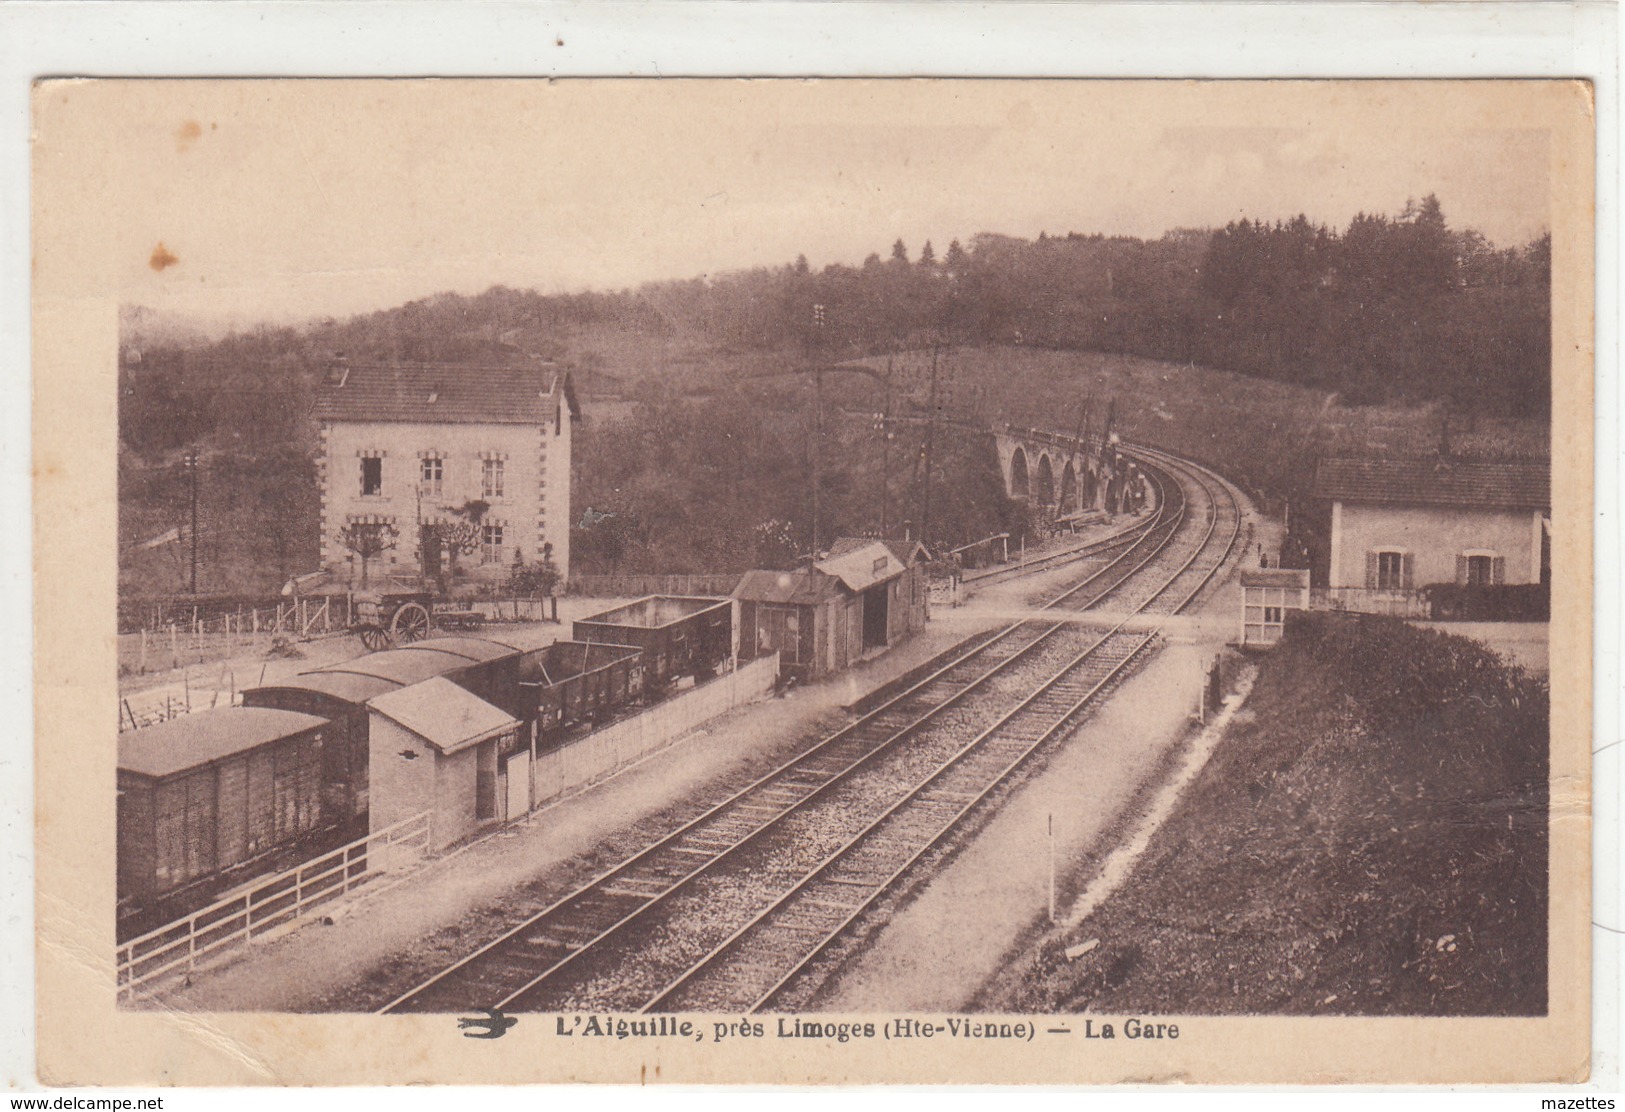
853,881
949,797
831,905
627,892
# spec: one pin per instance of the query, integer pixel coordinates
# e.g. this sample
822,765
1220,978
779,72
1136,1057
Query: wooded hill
1401,309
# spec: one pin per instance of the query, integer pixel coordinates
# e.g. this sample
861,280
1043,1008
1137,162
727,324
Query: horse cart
386,620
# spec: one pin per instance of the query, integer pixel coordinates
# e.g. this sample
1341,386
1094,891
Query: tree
899,253
459,535
368,539
928,256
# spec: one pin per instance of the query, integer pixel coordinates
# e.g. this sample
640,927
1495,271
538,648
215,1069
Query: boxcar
339,692
211,798
574,681
679,636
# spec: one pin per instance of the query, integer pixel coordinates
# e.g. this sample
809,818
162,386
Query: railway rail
731,907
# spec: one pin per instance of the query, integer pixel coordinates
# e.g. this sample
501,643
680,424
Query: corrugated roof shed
435,393
863,565
207,735
1517,485
798,588
443,714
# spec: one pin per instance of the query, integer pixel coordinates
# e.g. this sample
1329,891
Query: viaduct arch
1060,474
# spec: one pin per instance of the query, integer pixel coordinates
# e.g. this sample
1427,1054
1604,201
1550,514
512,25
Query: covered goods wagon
340,692
213,798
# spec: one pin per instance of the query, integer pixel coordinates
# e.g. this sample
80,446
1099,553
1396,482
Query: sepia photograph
667,571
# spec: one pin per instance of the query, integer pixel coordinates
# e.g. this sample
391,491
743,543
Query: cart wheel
411,624
374,638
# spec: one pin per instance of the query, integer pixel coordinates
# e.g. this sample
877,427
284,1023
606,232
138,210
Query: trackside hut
438,748
1399,525
864,597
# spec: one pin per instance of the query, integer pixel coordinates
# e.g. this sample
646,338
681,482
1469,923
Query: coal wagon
680,636
576,682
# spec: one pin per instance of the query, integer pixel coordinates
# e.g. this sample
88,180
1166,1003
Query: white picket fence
267,904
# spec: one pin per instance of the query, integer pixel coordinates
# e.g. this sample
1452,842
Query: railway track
730,907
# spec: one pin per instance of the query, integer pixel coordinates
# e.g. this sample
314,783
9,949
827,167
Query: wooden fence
270,903
636,586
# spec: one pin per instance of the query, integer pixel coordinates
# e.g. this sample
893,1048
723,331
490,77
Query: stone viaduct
1061,474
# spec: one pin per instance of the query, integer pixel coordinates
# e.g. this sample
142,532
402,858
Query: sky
280,200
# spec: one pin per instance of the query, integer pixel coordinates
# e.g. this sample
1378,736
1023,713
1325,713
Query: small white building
1266,595
405,445
436,747
1401,525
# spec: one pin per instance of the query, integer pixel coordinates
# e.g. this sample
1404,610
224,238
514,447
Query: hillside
1369,838
1257,347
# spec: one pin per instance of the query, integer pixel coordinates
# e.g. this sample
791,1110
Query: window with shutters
434,476
1388,569
491,544
1480,569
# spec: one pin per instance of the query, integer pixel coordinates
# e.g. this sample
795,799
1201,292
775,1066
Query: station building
410,444
1401,525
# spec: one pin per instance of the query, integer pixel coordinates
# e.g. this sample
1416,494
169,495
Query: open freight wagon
580,681
680,636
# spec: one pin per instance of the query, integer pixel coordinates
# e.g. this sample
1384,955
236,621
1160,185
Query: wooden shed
858,601
205,798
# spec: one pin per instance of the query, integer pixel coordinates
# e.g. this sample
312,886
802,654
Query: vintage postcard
837,581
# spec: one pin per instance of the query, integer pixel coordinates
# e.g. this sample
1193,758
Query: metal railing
267,904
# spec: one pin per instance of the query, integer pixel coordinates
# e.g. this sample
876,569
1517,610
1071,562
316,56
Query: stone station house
409,444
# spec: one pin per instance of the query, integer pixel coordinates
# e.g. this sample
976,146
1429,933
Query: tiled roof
434,393
192,740
1520,485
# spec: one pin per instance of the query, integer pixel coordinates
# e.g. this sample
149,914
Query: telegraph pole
191,470
930,437
885,455
818,435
